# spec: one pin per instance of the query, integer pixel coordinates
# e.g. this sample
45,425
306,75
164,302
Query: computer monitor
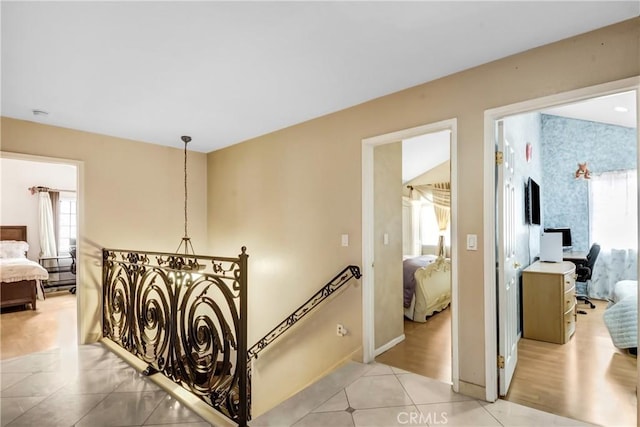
566,235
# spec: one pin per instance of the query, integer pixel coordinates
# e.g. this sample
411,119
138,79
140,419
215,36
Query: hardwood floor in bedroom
587,379
52,325
426,349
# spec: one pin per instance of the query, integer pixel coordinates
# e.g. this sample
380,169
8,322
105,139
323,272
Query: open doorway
582,156
426,239
384,246
41,197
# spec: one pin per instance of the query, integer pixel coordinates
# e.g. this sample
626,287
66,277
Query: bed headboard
13,232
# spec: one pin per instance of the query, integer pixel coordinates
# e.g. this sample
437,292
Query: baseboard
473,390
397,340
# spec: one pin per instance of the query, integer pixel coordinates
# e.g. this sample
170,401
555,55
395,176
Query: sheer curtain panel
613,201
47,230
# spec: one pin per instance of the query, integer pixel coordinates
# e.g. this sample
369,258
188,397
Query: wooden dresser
549,301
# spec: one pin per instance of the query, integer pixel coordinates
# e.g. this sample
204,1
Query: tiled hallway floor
379,395
90,386
87,386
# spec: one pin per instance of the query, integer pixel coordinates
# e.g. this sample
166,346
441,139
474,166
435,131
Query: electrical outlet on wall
341,330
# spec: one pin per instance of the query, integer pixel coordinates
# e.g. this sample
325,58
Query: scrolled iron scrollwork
184,320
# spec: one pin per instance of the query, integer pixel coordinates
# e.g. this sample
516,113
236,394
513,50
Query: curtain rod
39,188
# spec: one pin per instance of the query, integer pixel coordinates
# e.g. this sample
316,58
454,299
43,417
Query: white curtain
613,206
439,195
47,231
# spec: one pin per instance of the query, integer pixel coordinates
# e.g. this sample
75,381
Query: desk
575,256
548,301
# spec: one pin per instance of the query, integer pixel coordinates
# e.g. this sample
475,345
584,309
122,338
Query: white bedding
432,292
621,318
17,269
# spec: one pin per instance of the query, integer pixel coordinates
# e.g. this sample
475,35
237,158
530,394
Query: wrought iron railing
185,316
325,292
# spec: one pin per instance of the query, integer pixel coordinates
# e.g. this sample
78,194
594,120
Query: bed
19,277
427,286
621,317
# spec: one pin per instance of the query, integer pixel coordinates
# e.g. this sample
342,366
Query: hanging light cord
184,138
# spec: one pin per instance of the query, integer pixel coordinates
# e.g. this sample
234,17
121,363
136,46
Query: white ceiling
602,109
224,72
423,153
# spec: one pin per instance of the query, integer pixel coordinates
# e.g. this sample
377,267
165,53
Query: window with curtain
614,209
67,224
429,230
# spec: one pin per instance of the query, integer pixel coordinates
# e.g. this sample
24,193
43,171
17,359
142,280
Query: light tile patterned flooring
87,386
380,395
90,386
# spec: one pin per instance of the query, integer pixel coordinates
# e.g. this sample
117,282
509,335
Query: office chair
583,273
72,252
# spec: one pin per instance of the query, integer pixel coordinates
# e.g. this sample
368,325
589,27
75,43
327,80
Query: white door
507,265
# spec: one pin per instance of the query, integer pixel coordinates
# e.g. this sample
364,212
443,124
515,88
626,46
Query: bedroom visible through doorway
42,196
426,258
553,146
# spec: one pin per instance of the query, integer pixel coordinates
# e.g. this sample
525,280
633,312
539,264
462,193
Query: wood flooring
53,324
587,379
426,349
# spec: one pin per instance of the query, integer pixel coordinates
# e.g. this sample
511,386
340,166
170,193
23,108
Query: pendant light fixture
185,244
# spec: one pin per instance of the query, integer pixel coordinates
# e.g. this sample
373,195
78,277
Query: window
67,225
429,231
614,209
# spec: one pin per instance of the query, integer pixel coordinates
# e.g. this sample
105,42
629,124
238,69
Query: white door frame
79,226
368,145
490,117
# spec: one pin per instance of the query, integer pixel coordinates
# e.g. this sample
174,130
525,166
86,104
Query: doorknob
516,265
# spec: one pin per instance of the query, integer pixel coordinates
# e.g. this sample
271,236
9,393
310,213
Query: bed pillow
13,249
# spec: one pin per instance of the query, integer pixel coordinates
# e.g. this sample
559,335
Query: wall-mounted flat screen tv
532,202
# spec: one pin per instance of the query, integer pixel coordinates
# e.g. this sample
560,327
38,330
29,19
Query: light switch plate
472,242
345,240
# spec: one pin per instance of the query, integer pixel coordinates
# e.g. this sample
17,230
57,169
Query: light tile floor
87,386
90,386
379,395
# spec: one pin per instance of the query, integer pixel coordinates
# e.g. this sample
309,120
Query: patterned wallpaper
565,143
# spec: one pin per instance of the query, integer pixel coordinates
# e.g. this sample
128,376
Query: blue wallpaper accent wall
565,143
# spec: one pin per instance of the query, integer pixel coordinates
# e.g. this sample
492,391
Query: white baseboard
397,340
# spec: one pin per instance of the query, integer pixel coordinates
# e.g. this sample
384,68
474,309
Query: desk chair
583,273
72,252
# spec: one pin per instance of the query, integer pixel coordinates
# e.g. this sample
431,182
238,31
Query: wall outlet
341,330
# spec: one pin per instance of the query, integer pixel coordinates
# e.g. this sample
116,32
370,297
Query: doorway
370,346
28,181
573,383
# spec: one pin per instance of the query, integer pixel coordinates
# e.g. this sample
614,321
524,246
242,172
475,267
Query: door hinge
500,362
499,157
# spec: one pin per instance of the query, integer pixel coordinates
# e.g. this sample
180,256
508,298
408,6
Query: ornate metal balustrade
185,316
325,292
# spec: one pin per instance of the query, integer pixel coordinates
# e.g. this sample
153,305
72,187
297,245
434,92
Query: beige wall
289,195
133,198
387,295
